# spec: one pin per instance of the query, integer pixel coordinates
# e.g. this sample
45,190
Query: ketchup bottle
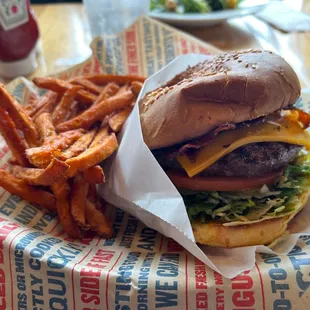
19,34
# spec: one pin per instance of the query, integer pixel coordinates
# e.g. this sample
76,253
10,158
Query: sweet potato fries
58,142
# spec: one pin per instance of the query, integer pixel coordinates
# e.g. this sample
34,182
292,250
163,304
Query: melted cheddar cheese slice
283,130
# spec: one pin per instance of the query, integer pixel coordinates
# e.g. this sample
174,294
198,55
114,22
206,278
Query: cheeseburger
228,136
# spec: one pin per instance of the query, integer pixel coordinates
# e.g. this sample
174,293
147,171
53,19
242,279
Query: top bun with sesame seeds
229,88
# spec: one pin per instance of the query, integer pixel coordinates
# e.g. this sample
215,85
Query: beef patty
250,160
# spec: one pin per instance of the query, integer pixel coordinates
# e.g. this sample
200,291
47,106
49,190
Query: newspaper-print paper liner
41,268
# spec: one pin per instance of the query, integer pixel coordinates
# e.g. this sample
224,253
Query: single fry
61,87
108,91
61,190
31,103
94,175
45,127
92,156
41,156
10,134
136,87
20,188
22,121
117,121
97,220
14,161
85,97
56,85
46,177
105,121
49,107
36,105
74,110
78,199
101,79
80,145
97,112
62,110
102,133
88,85
92,195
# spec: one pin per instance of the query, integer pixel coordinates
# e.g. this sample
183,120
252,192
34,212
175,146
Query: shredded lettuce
277,200
195,6
157,4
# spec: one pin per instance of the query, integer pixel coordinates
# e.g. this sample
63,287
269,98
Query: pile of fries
58,142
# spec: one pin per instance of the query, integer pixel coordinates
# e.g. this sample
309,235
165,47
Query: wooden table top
65,38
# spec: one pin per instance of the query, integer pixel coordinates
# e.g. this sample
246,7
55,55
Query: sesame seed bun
230,88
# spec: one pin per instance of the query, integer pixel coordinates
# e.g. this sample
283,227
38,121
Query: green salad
193,6
280,199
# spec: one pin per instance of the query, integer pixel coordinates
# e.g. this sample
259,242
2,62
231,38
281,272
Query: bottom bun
261,233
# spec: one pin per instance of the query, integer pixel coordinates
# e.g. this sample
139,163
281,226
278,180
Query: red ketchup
19,34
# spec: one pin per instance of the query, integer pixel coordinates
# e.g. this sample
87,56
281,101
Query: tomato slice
221,183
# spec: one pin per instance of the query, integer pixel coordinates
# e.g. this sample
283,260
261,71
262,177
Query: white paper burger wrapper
138,185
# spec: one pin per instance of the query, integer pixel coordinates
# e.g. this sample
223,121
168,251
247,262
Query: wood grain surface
65,38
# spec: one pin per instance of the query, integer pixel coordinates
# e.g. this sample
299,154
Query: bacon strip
299,116
205,140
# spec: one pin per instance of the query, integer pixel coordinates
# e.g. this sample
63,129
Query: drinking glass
112,16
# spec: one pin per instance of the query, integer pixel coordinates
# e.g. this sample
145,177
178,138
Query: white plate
209,19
